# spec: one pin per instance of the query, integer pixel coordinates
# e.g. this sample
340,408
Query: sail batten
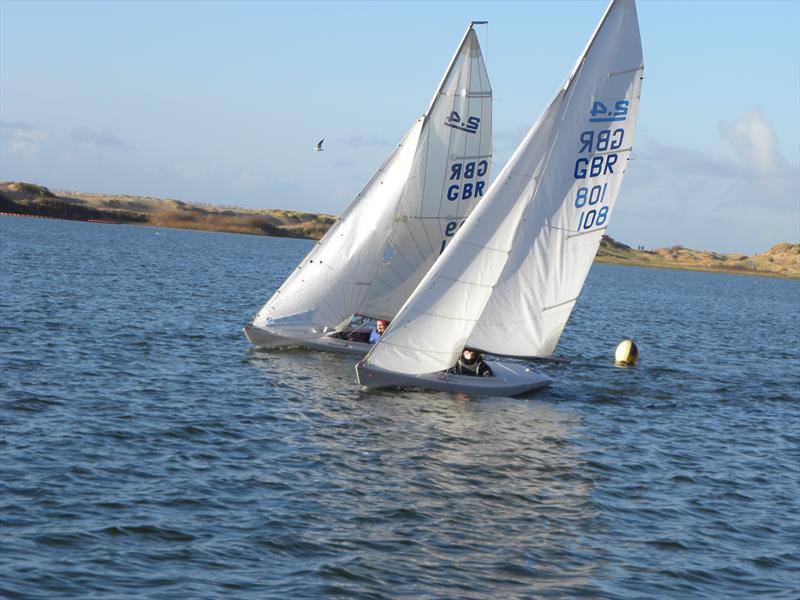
559,187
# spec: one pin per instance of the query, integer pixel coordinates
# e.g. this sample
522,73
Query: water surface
148,451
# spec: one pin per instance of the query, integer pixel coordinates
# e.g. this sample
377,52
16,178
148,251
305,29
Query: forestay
382,245
508,281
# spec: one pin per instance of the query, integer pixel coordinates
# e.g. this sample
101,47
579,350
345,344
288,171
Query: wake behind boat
508,281
380,248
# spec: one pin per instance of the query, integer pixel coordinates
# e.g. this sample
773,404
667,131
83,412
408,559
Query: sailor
375,334
471,363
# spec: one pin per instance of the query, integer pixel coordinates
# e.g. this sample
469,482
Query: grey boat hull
266,339
509,379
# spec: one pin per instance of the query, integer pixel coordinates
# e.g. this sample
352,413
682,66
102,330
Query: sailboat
379,249
509,279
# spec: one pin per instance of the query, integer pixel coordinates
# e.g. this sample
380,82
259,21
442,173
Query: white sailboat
508,281
379,249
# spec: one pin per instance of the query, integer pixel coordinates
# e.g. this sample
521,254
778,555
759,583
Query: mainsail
386,240
509,280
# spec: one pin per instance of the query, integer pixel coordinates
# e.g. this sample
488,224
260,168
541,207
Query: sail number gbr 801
600,145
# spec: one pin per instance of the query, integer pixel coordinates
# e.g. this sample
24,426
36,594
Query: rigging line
571,231
465,282
544,308
605,152
476,156
626,72
574,235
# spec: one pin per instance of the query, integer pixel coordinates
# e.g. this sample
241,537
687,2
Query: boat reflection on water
497,485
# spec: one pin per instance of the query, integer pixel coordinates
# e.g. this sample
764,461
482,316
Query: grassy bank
31,199
782,260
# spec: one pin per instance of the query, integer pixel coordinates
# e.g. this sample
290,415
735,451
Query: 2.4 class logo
470,125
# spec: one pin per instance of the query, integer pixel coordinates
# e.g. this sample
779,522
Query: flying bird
319,147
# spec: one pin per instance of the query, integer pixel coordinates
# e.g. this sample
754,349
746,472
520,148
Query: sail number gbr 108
602,160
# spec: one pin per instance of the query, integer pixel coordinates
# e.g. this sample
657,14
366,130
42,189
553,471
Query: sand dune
782,260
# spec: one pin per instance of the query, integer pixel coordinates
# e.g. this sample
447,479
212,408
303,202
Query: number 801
593,195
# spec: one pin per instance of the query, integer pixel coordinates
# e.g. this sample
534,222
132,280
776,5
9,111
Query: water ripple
148,452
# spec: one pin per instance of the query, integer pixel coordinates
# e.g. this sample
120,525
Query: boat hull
268,340
510,379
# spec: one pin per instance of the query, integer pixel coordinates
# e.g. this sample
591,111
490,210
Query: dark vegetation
57,209
31,199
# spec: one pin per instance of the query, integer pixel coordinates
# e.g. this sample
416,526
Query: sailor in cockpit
377,331
471,363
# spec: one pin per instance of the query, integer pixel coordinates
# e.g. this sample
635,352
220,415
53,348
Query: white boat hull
509,379
266,339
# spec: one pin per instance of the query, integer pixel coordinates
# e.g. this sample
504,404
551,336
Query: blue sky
223,103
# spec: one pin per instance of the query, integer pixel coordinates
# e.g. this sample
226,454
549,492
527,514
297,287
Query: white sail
383,244
508,281
448,178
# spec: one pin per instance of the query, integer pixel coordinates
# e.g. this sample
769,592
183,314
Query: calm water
148,451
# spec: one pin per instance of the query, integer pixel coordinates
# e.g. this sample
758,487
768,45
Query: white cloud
21,138
754,140
681,195
97,139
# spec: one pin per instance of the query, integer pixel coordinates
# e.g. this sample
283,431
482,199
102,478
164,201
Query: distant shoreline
606,260
27,199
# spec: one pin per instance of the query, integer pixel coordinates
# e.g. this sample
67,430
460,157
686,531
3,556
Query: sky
224,102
